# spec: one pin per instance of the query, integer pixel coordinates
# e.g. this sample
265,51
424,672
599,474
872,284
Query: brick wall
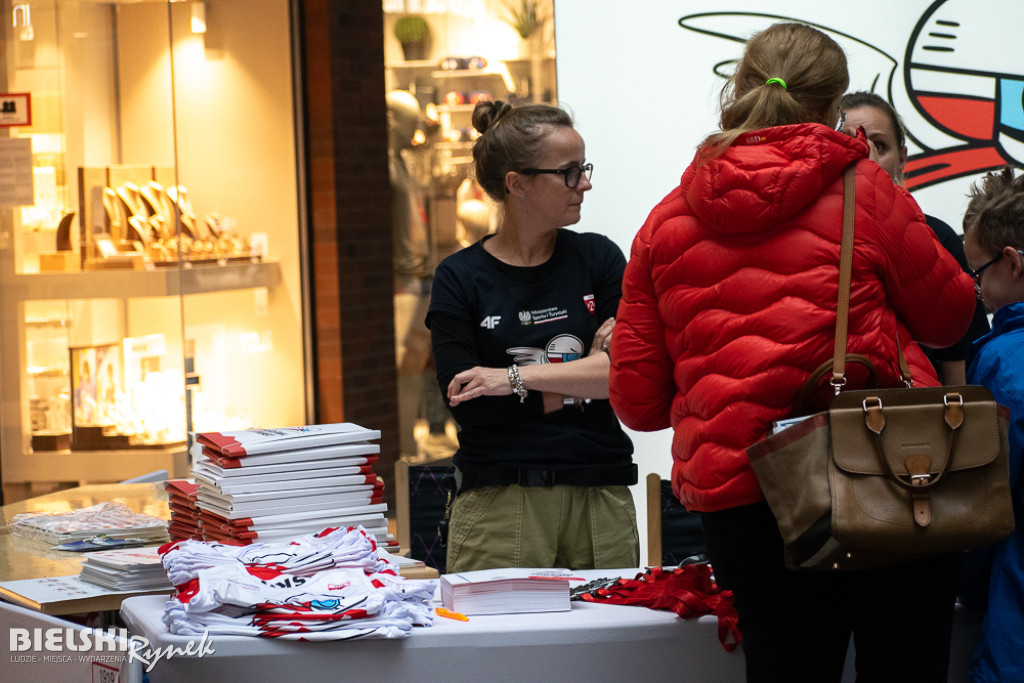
349,227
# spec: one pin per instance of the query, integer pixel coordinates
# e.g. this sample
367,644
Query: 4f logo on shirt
490,322
591,305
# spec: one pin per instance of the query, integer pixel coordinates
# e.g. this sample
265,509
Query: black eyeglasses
571,175
976,274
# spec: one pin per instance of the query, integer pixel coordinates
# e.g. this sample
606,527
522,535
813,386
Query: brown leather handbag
886,475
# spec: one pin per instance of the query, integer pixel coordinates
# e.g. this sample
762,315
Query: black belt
624,475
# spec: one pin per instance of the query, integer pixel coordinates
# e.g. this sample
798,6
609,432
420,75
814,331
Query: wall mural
959,85
950,68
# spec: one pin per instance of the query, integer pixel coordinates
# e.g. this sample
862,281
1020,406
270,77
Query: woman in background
884,131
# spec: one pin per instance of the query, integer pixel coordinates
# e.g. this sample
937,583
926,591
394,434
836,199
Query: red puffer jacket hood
768,176
729,298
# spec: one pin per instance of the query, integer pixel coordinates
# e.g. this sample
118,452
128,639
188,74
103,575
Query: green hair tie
776,80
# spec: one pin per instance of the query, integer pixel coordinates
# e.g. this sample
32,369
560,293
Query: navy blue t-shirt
485,312
954,244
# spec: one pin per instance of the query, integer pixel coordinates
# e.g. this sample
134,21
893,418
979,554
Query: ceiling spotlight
198,17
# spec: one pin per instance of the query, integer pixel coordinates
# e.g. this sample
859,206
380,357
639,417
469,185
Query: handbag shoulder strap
845,276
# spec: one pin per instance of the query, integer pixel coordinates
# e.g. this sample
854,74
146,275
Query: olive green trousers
577,527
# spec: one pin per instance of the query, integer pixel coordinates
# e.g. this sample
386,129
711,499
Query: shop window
441,57
150,274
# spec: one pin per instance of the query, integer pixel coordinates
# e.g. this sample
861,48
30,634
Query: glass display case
150,265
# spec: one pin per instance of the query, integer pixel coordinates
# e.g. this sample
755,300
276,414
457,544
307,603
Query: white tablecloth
588,643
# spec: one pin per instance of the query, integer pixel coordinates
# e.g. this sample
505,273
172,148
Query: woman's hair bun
489,112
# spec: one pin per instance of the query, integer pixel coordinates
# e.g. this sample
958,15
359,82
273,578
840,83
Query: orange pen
442,612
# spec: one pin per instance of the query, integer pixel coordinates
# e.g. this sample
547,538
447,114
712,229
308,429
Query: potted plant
414,35
524,16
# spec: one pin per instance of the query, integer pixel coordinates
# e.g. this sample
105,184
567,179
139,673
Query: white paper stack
126,569
275,484
507,591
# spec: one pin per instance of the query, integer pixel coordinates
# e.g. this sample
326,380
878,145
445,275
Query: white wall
643,92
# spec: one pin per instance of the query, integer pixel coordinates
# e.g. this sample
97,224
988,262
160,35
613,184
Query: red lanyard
688,591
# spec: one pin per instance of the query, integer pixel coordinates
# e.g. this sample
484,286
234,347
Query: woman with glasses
728,307
520,323
884,130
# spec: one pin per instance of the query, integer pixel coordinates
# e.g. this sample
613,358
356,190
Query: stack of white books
507,591
126,569
275,484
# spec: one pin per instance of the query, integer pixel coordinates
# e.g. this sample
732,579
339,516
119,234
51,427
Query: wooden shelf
456,108
430,64
126,284
492,73
96,466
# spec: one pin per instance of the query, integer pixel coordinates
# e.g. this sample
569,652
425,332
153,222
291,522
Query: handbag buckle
920,479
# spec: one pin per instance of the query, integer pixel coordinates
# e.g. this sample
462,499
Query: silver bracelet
516,382
575,402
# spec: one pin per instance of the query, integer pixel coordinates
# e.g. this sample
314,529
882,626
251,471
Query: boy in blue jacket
994,246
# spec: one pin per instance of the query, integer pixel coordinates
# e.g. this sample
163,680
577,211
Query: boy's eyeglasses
976,274
571,175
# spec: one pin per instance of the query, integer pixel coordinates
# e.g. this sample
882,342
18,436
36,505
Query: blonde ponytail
810,67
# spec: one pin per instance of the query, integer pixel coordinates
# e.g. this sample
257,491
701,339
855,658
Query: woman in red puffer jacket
729,305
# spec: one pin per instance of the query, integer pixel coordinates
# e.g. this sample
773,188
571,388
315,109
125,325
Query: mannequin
473,216
413,270
411,244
